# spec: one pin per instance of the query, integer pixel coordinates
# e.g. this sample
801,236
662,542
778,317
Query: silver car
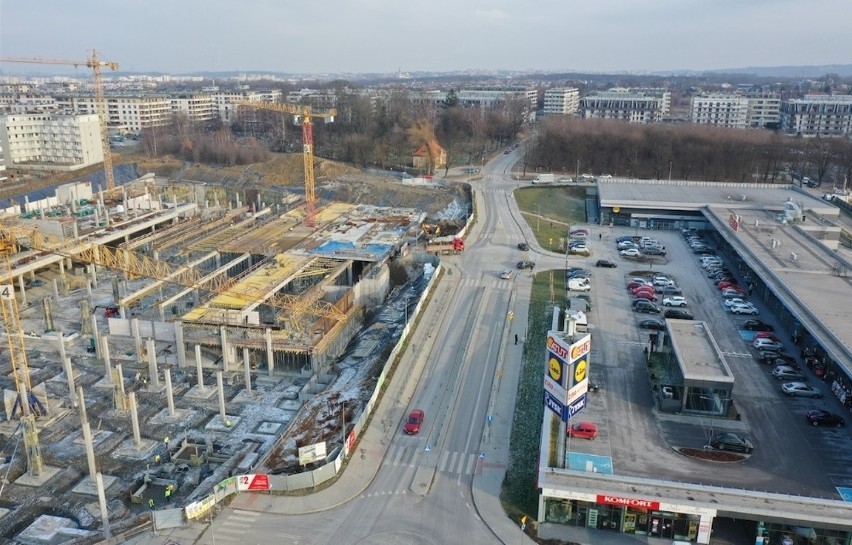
800,389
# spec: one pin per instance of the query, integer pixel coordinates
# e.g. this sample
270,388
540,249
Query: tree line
684,152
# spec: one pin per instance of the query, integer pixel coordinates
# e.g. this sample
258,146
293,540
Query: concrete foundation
48,473
180,416
197,393
88,486
247,396
127,449
219,425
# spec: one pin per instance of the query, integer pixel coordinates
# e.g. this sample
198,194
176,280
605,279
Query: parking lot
790,455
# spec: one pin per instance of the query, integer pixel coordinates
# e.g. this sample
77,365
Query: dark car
579,273
679,314
704,251
653,251
624,239
669,290
412,424
526,264
732,441
641,305
606,264
757,325
819,417
652,323
523,246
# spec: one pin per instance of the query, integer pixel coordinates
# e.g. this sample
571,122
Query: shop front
632,516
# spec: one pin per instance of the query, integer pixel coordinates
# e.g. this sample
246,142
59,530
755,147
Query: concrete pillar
270,356
221,395
134,420
179,345
223,333
198,367
90,448
94,272
218,260
55,290
162,310
99,482
137,336
62,270
69,372
106,357
22,290
116,295
247,369
170,399
48,314
119,377
89,288
96,336
153,377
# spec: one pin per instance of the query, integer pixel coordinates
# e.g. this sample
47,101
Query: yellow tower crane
26,402
302,115
96,65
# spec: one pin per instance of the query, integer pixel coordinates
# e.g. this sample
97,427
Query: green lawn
550,211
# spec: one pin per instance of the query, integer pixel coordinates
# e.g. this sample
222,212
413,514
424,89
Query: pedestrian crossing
235,527
449,462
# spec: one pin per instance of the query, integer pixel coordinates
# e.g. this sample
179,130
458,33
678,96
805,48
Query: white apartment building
226,100
764,110
561,101
493,97
47,141
818,115
632,105
125,113
198,107
721,110
2,164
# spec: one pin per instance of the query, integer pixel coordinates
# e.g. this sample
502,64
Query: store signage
552,403
628,502
575,407
555,345
581,347
577,390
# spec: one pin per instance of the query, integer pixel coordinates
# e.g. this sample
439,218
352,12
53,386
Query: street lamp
670,171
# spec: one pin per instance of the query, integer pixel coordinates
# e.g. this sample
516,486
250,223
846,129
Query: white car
506,274
727,293
627,245
744,309
674,301
736,301
767,344
800,389
663,281
631,252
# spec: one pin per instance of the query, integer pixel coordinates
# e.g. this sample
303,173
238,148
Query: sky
384,36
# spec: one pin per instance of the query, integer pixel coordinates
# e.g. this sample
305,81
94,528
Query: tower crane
302,115
96,65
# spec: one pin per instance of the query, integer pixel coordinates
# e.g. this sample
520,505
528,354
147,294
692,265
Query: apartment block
764,110
817,115
125,113
226,100
561,101
721,110
47,141
492,97
631,105
198,107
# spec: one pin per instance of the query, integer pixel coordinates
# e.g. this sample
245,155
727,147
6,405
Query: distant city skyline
386,36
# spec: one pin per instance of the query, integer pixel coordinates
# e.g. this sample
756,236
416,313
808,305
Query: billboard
566,374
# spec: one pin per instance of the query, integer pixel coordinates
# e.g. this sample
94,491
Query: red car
634,285
726,284
647,295
412,425
767,335
583,430
642,288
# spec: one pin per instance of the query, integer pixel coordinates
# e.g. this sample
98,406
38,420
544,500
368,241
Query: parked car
648,296
523,246
632,252
414,421
651,323
732,441
679,314
704,250
785,372
653,250
633,285
624,239
627,245
744,309
526,264
766,335
819,417
583,430
725,284
732,292
757,325
674,301
578,273
669,290
643,289
735,301
800,389
647,307
506,274
767,344
606,264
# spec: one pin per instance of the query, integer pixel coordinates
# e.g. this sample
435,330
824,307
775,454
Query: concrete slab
104,383
217,424
98,437
129,450
181,415
151,388
89,487
269,428
48,529
48,473
291,405
244,396
197,393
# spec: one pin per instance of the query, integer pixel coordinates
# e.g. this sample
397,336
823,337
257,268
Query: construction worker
166,441
227,423
169,493
157,459
151,503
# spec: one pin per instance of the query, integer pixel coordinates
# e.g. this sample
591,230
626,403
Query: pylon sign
566,374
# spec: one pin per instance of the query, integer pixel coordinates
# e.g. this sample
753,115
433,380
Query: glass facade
774,533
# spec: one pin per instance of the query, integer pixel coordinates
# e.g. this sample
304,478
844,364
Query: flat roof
697,353
813,280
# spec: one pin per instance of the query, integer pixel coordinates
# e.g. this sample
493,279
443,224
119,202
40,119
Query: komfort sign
628,502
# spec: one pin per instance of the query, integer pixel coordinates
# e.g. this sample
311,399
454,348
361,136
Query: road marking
471,460
736,354
444,457
453,462
398,456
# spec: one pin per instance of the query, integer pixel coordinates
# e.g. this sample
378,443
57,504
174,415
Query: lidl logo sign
554,369
580,369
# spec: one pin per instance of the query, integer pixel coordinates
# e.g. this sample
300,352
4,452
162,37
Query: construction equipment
302,115
95,64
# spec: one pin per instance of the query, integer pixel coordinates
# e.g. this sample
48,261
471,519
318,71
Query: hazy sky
321,36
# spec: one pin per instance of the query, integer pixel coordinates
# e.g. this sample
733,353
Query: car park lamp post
712,418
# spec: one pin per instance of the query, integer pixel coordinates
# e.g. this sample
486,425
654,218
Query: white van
579,284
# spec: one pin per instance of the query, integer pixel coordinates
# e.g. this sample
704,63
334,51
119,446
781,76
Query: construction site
162,336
